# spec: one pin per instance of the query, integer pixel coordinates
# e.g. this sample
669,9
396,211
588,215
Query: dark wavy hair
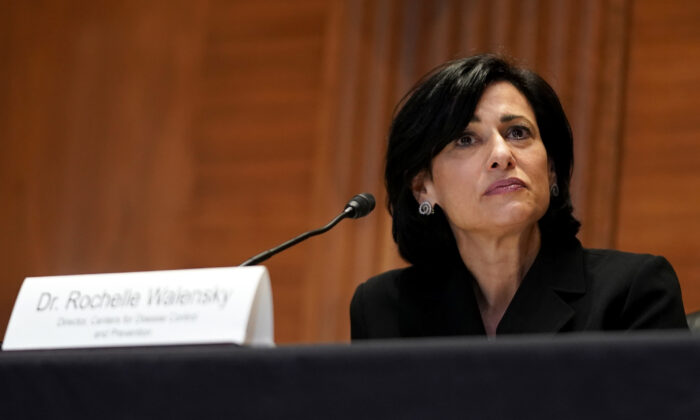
434,113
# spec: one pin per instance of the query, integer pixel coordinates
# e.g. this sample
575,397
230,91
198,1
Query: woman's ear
552,174
420,185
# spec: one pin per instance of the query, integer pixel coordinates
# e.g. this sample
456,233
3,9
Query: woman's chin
514,220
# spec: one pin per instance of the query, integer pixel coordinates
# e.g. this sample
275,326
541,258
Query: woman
477,173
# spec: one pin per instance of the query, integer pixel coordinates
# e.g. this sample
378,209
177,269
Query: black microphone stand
270,252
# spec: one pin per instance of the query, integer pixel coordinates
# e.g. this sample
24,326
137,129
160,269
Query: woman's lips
505,186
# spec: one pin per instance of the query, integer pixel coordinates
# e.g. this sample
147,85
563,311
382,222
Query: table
647,375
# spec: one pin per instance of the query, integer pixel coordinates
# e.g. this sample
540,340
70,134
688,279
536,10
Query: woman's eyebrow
511,117
504,118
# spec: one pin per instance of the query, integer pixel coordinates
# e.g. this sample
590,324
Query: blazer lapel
441,301
438,302
541,304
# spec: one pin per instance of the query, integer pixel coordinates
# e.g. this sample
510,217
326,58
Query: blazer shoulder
606,258
612,269
382,288
645,284
375,306
625,269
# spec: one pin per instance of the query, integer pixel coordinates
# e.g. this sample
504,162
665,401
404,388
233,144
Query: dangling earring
425,208
554,189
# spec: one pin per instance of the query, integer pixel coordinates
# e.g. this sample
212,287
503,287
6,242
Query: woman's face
495,178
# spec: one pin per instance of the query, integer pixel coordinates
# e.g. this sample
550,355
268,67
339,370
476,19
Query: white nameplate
209,305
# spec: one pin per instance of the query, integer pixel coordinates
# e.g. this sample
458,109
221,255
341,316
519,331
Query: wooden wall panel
253,142
659,209
158,135
95,105
174,134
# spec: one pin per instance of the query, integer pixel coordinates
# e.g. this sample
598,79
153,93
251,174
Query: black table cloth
569,377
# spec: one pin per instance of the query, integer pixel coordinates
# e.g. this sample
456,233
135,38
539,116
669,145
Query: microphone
359,206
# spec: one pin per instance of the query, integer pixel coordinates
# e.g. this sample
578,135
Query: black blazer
567,289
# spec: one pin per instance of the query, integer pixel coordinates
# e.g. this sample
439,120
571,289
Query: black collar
440,300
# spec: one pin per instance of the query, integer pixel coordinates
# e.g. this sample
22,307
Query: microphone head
360,205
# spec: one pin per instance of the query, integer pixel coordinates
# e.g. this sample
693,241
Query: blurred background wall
165,134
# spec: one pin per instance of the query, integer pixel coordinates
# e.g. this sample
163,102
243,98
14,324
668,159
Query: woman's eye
518,132
466,140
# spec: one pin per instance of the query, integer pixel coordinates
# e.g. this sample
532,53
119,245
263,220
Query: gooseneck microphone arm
270,252
358,206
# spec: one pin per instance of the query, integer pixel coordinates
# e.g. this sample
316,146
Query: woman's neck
499,265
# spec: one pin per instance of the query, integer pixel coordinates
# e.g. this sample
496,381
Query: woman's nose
501,154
